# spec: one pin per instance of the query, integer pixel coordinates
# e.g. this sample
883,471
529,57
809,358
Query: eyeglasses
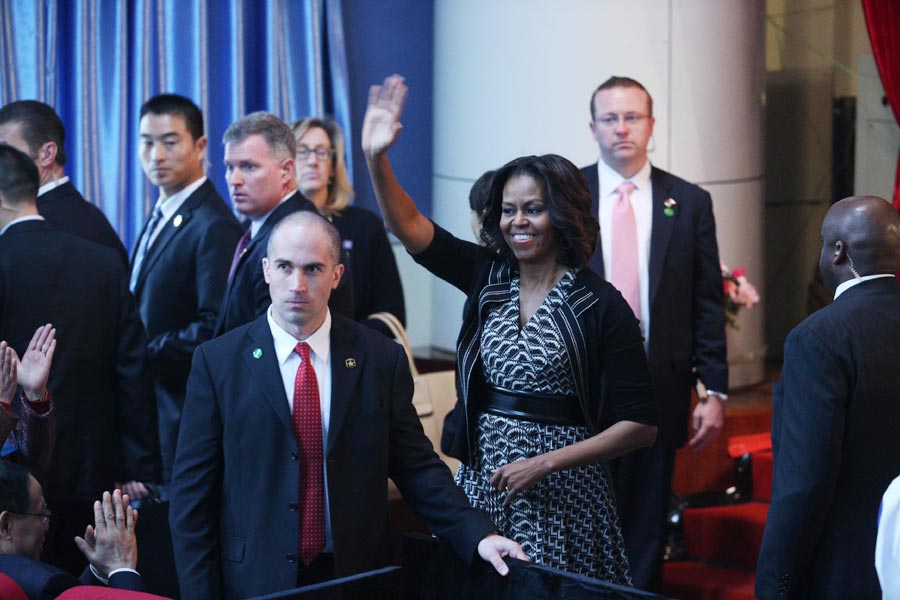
45,516
628,118
322,153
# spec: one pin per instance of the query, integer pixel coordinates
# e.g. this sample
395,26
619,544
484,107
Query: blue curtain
97,61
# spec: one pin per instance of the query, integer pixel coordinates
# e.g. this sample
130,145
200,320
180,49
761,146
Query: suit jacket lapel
593,181
347,362
167,233
660,229
258,353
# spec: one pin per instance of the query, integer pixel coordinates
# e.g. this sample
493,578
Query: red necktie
242,245
624,273
308,429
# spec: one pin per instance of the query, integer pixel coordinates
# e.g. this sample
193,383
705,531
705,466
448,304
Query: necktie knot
302,348
625,189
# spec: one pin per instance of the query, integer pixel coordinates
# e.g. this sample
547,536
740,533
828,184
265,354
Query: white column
514,77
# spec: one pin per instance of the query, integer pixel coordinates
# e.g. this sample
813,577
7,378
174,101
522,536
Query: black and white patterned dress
568,520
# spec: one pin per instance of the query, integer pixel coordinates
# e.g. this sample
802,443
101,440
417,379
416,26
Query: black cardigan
601,335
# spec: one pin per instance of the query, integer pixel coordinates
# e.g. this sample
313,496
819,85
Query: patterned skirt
568,520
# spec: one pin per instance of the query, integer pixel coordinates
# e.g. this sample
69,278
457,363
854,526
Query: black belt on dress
540,408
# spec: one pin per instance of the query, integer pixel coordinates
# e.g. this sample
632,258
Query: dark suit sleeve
171,351
452,259
121,580
808,425
196,487
36,434
709,314
135,411
423,479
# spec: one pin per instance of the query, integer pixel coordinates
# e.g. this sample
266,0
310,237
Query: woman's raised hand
381,126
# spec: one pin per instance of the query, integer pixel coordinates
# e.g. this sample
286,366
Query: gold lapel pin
350,363
177,221
257,353
669,209
670,202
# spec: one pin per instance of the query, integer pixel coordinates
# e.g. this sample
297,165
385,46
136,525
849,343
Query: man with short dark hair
836,409
658,247
105,420
180,261
259,168
179,267
109,544
34,128
302,415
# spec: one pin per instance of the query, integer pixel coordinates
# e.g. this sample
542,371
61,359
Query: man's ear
46,156
265,266
287,167
338,273
5,525
840,252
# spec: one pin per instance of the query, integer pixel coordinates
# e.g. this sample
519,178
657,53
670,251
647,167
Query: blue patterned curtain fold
97,61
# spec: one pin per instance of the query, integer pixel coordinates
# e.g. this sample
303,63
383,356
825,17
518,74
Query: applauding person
29,438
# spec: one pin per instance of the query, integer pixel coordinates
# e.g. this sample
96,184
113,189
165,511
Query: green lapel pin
257,353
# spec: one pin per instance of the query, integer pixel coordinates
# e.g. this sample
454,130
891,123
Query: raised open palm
381,126
34,367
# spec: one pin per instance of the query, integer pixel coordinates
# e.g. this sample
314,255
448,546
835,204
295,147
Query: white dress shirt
21,220
642,203
256,224
169,206
856,281
289,362
52,184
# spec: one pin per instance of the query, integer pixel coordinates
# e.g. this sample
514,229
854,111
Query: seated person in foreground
28,435
109,545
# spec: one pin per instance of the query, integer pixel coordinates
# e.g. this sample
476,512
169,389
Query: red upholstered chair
91,592
10,590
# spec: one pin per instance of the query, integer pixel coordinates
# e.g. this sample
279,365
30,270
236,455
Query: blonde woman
322,177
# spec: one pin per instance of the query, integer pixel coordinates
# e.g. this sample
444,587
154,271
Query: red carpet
723,541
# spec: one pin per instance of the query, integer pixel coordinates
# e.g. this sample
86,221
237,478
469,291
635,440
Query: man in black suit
834,427
179,267
291,427
658,246
259,168
105,419
35,129
180,262
109,545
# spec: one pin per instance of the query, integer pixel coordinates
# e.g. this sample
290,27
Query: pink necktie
241,246
308,429
624,272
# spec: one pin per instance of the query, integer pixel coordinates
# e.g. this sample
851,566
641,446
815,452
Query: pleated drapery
97,61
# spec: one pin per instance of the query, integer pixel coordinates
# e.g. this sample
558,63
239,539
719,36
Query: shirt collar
856,281
319,342
610,179
21,220
256,224
169,206
52,184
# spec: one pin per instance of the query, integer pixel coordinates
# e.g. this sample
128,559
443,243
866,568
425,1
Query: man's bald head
306,218
860,236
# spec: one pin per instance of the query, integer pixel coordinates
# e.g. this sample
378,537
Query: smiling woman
552,378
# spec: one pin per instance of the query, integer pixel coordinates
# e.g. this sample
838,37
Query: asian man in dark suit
35,129
836,409
291,427
658,247
109,544
105,419
178,272
259,167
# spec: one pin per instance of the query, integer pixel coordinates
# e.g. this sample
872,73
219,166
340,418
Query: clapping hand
110,543
8,364
34,368
381,126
